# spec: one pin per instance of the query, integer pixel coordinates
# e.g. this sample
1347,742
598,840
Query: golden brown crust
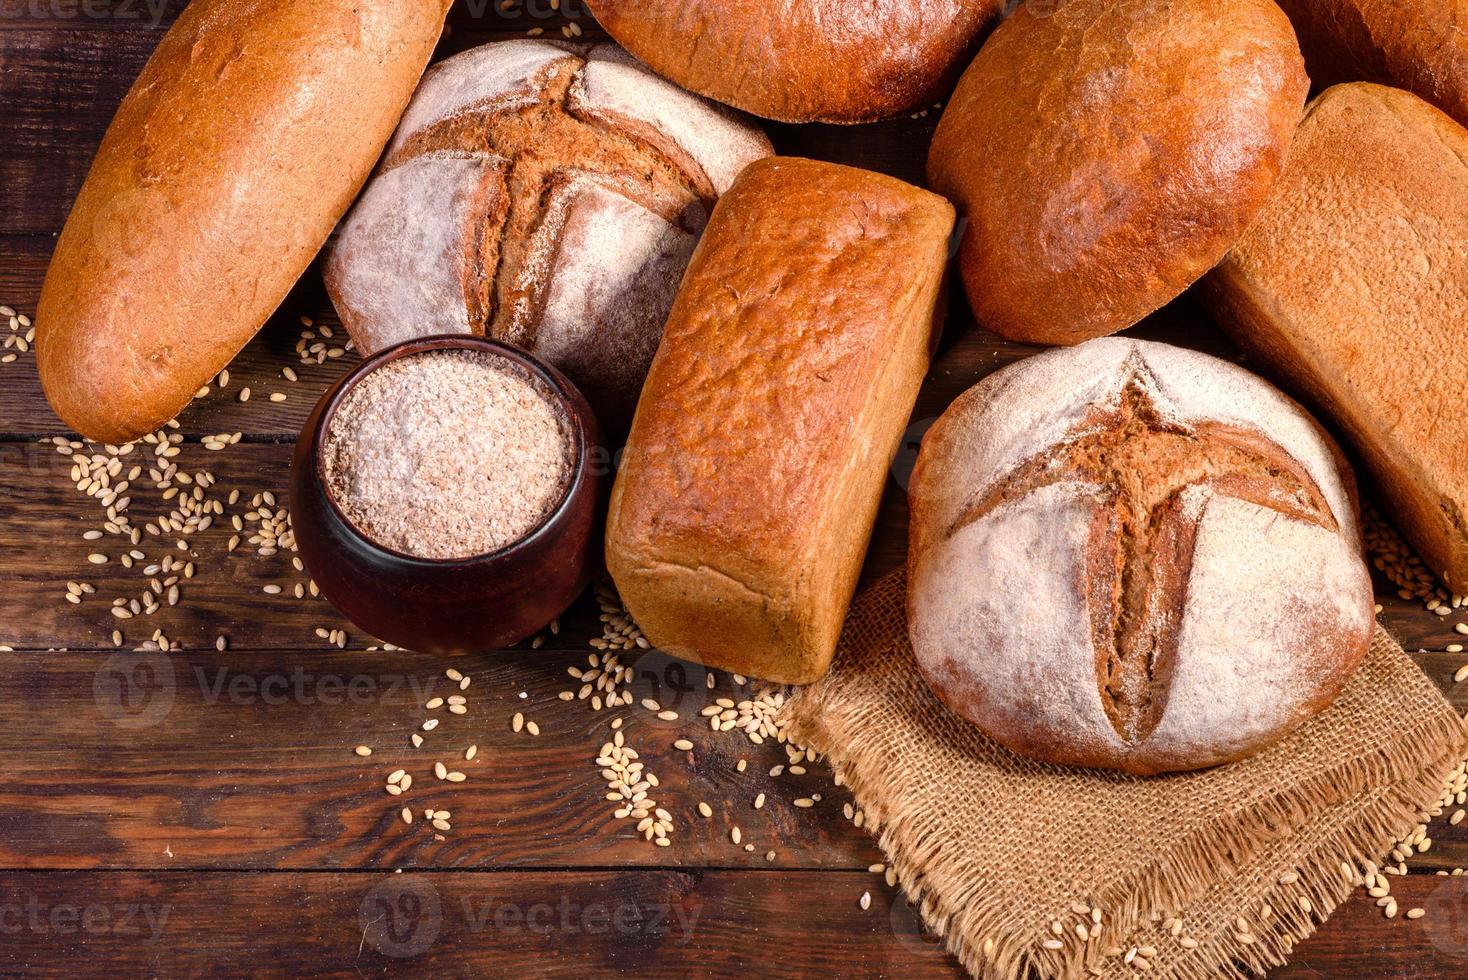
1351,285
1106,153
1417,45
242,142
786,375
834,61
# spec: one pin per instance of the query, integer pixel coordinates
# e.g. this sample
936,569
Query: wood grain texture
592,922
233,801
245,760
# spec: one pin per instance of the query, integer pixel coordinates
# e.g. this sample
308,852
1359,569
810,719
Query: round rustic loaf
1130,555
831,61
546,195
1108,152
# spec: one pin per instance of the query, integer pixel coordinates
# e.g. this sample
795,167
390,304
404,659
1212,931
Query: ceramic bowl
456,605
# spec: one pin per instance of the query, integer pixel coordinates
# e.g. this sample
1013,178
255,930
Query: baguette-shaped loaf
782,386
1353,286
242,142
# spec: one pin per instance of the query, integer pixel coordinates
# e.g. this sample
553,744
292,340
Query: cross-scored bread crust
1157,569
568,137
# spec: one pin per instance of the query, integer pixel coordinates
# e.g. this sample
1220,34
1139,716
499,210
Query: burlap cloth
995,848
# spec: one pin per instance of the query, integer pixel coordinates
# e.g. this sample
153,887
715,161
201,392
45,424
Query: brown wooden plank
655,923
570,924
245,760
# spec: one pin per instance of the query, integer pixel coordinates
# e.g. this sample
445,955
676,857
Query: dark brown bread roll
784,381
1352,285
1135,556
838,61
1417,45
229,162
1107,153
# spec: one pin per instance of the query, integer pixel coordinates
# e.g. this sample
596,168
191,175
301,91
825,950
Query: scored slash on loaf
1130,555
546,195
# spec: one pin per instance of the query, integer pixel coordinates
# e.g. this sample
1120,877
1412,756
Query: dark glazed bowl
454,605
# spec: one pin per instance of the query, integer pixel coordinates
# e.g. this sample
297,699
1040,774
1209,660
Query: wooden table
200,811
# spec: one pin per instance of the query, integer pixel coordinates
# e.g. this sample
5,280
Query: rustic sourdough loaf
547,195
1418,45
1353,286
785,378
804,60
244,139
1130,555
1106,153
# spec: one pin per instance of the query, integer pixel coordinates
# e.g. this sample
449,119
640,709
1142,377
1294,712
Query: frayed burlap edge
1350,814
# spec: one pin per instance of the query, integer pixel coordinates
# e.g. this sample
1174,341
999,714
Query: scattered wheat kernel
683,745
456,777
865,901
440,770
736,835
705,809
805,802
517,722
1288,878
471,752
363,750
407,814
1461,675
759,802
532,728
1416,913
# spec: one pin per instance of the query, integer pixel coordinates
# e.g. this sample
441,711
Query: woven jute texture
994,848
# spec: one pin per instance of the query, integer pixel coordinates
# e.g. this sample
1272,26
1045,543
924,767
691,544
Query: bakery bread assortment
1417,45
542,194
1352,286
1129,555
804,60
1122,554
785,378
1106,153
242,142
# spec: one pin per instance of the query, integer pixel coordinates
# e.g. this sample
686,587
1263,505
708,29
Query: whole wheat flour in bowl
447,454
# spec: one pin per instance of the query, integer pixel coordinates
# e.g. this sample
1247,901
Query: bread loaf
547,195
785,378
1106,153
1352,285
1418,45
1129,555
805,60
242,142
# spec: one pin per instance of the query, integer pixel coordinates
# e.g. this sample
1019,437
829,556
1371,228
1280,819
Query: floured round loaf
1134,556
1107,153
547,195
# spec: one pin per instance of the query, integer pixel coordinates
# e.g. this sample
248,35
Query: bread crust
547,195
1352,286
211,192
1106,153
1417,45
1132,556
786,375
833,61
